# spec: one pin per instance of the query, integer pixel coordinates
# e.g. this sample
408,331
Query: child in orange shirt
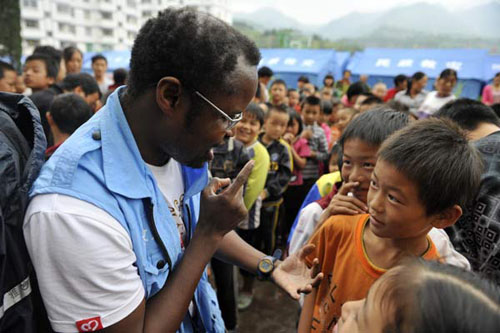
424,174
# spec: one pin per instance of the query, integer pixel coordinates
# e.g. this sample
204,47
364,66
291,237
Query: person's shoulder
343,223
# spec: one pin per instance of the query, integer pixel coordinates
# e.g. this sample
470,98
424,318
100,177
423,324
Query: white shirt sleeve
446,250
308,220
84,262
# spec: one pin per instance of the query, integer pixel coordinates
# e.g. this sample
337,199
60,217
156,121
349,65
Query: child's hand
289,137
344,204
307,134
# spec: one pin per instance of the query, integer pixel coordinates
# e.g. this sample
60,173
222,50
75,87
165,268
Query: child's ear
51,80
448,217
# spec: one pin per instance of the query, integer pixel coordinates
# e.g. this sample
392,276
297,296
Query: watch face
266,266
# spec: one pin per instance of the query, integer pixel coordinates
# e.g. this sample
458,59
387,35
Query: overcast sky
322,11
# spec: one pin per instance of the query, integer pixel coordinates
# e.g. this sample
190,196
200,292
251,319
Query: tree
10,34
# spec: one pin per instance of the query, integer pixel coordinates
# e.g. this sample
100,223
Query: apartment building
97,25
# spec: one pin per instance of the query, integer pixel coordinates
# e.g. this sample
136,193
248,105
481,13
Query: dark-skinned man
123,219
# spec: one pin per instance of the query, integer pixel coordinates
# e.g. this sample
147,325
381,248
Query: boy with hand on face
415,185
278,177
315,135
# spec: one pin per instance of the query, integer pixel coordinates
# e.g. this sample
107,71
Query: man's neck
59,137
138,123
482,130
387,252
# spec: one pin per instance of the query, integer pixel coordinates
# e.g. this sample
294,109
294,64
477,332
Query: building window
131,19
33,42
88,31
67,28
146,13
107,32
146,2
86,14
131,3
65,9
30,3
106,15
31,23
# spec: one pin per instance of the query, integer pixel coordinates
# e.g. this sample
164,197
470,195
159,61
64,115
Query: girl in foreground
425,296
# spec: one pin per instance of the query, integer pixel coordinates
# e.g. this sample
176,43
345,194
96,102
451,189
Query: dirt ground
272,311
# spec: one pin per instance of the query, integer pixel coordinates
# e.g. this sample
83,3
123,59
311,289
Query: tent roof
298,60
391,62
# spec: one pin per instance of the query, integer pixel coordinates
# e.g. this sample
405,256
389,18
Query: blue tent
382,65
116,59
491,67
342,62
289,64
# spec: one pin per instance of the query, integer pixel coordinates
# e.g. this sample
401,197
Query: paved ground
271,311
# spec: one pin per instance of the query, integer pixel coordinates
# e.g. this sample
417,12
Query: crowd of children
351,170
357,171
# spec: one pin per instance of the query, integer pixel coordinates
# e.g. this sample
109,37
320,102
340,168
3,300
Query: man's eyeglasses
228,121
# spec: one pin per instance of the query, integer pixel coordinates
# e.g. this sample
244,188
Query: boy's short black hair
290,90
372,99
278,81
374,126
312,100
303,78
49,51
51,66
436,156
265,71
120,76
170,44
277,108
357,88
99,57
69,111
398,106
256,111
496,109
468,113
400,79
327,106
83,80
5,67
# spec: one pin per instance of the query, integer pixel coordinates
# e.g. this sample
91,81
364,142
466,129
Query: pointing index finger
241,179
347,187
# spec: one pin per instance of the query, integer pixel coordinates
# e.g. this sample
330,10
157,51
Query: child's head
276,122
68,112
249,127
369,103
425,296
379,90
301,81
294,124
40,72
8,77
400,82
417,83
73,59
265,73
327,107
55,55
328,81
425,174
311,110
468,114
354,90
326,93
344,117
278,91
293,97
360,142
446,82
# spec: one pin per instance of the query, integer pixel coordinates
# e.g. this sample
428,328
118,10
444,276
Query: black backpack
22,148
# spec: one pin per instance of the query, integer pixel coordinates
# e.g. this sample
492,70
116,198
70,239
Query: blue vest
101,164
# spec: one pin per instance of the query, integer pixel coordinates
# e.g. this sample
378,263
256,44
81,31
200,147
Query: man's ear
448,217
168,92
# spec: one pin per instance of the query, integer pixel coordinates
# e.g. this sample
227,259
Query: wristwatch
267,265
